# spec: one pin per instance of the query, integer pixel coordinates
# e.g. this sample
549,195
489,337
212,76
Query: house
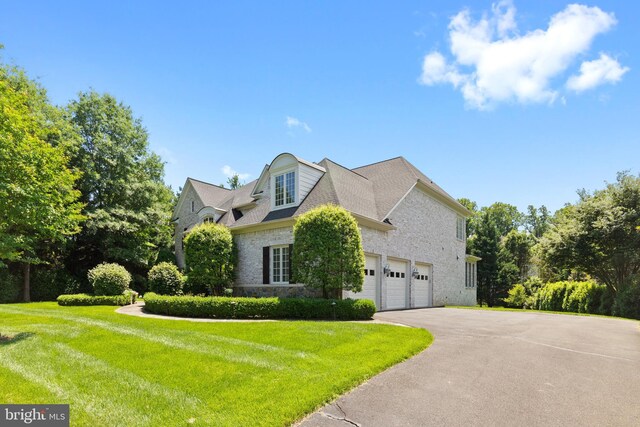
413,232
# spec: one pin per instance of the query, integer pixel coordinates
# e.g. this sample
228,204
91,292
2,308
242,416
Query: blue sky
519,102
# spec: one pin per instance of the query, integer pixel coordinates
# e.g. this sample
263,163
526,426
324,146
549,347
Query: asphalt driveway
490,368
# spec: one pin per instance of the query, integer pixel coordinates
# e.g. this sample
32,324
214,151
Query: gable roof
369,192
392,179
210,194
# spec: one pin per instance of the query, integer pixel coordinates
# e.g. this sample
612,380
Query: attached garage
371,280
396,285
422,286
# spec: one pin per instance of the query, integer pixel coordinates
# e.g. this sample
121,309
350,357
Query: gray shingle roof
211,195
371,191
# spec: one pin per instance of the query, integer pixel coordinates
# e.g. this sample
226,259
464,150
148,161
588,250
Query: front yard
120,370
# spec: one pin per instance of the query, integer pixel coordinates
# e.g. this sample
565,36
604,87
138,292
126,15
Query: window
470,279
193,206
285,189
280,264
208,219
460,228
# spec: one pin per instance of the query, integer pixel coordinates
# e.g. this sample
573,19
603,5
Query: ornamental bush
210,257
327,250
109,279
259,308
517,296
165,279
627,302
583,297
126,298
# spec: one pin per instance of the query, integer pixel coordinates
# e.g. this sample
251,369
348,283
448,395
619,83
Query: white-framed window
470,275
460,228
280,264
193,206
208,219
285,189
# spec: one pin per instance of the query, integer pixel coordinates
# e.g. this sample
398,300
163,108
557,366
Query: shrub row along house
413,232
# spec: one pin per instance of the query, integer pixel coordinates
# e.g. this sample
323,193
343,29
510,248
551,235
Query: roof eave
445,199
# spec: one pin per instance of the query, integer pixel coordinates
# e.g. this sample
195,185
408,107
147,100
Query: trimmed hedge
128,297
578,297
258,308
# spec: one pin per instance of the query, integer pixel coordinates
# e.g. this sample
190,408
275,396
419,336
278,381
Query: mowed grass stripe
117,393
105,365
194,343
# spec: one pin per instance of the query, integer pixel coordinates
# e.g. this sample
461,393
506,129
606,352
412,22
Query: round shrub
165,279
109,279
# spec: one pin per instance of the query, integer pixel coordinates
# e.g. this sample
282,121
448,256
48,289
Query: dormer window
285,189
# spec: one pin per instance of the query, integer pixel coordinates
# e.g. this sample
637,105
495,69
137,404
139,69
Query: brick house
413,232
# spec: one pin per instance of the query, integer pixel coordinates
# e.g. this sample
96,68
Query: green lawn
119,370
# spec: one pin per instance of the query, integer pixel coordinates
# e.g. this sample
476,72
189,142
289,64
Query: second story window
460,228
285,189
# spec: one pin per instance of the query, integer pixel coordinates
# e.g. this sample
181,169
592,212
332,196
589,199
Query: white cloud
230,172
594,73
292,122
492,63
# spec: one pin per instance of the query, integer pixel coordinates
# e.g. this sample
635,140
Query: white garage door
422,286
370,286
396,288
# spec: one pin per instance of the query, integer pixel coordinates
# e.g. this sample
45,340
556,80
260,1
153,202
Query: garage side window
460,228
470,273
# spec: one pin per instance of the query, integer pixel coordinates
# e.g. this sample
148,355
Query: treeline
527,255
78,187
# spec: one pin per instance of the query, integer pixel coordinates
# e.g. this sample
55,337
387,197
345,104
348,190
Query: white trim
281,266
401,200
296,191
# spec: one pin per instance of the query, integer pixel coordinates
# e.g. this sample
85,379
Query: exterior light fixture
415,273
386,269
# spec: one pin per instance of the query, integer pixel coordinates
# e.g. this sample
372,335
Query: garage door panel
422,286
370,286
396,289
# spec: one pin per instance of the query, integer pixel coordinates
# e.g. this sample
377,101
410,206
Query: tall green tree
39,207
517,249
505,216
485,243
327,250
599,234
537,220
128,207
234,182
471,221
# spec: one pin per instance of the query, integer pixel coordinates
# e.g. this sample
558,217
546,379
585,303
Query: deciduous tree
39,207
128,206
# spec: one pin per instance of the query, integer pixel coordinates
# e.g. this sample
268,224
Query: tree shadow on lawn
12,339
